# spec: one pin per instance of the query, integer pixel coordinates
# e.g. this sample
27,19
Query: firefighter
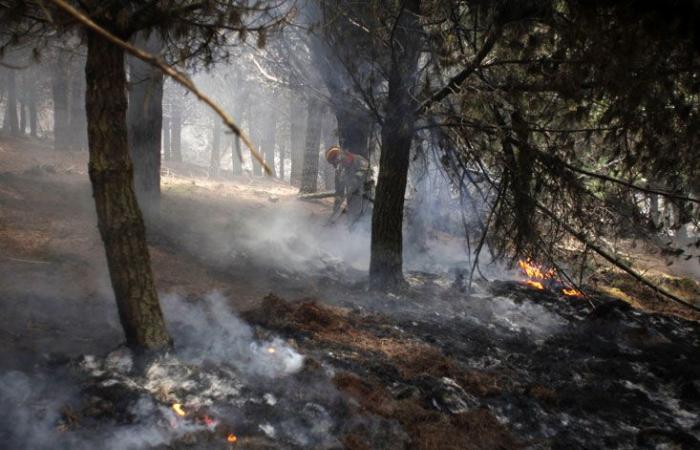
352,176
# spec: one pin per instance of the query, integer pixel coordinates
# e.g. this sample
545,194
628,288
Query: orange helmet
333,154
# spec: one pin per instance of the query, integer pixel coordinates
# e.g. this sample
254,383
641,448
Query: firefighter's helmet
333,154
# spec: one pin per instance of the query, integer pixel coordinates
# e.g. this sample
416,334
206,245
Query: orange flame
571,292
231,438
177,407
535,284
535,271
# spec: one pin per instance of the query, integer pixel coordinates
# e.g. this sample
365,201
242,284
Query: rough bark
215,157
118,215
145,121
297,114
386,260
60,89
309,177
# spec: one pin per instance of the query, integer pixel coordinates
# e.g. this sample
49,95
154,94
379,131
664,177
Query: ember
571,292
271,350
535,284
232,438
177,407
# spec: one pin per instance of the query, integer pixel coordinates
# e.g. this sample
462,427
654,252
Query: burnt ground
431,368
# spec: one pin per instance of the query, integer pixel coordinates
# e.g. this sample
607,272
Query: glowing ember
231,438
535,284
271,350
571,292
177,407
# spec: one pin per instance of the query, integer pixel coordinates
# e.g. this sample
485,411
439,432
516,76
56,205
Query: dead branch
179,77
614,261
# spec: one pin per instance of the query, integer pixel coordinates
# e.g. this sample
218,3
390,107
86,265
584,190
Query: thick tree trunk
309,175
256,129
297,114
215,157
118,215
11,124
386,260
145,121
176,133
60,88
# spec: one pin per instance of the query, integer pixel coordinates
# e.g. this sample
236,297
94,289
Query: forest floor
508,367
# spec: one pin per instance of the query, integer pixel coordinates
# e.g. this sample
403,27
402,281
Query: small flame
271,350
231,438
535,284
572,292
177,407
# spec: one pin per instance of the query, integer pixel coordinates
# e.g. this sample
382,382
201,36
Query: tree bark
296,138
309,177
59,85
119,218
386,259
145,122
255,126
215,158
237,165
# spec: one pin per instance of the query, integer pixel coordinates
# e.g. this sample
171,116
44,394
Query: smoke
207,331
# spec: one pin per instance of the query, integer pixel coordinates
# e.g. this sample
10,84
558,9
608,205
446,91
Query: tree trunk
11,123
296,138
282,154
166,138
353,131
118,215
145,121
268,141
175,133
309,175
59,85
31,98
386,259
256,129
215,159
237,165
326,169
78,122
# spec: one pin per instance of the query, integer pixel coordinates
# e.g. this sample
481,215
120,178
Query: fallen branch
178,76
614,261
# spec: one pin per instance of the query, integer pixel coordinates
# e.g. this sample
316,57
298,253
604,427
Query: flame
271,350
535,284
177,407
535,271
231,438
572,292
